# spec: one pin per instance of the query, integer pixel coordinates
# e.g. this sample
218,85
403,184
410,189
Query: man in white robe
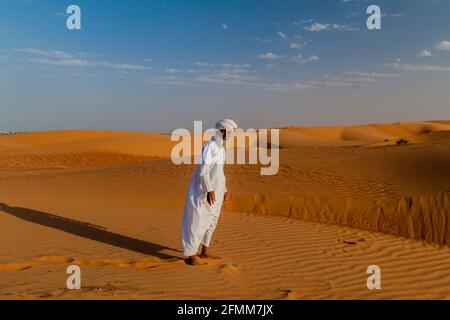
207,192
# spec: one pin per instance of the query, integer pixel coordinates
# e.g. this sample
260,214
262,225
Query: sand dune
69,149
111,202
364,134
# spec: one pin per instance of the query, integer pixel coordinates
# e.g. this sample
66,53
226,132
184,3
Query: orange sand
344,198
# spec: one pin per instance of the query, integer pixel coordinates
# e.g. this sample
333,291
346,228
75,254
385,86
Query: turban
227,124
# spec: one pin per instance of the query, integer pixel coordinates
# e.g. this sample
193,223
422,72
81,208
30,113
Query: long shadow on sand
87,230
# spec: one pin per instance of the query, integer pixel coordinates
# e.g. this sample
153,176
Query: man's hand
225,197
211,198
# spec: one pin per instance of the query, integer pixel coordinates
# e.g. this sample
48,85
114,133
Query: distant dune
361,134
113,200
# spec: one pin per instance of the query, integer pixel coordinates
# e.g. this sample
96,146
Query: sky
157,65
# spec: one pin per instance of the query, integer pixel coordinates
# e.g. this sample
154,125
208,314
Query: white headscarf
226,124
229,126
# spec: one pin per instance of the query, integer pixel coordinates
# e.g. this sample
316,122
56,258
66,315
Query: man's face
224,134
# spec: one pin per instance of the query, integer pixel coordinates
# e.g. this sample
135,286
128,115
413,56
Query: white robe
199,218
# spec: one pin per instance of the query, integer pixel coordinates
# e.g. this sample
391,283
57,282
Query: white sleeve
207,162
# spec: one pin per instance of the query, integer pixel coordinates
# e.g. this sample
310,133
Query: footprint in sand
199,263
144,264
205,261
351,242
289,294
149,263
91,263
26,265
230,268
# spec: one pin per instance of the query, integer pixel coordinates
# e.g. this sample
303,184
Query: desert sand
344,198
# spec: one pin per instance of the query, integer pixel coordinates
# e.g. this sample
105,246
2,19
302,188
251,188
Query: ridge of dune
426,137
430,137
424,218
80,148
446,122
78,141
368,133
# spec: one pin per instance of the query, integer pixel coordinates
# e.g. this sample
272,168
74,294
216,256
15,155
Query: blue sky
159,65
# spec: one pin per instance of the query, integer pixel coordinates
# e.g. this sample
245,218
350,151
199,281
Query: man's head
227,125
225,128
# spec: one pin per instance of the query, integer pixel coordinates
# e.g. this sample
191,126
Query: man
207,192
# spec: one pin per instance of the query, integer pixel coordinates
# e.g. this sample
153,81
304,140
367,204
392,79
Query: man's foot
193,261
206,255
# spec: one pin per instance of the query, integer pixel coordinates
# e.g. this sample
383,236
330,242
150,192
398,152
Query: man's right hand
211,198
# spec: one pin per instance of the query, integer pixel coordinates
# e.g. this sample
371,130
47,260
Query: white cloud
417,67
425,53
302,21
372,74
50,54
286,87
209,74
282,35
66,59
296,45
173,70
347,83
237,66
202,64
302,59
226,78
343,27
351,79
188,71
85,64
172,80
223,65
224,26
269,56
310,59
443,45
318,27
